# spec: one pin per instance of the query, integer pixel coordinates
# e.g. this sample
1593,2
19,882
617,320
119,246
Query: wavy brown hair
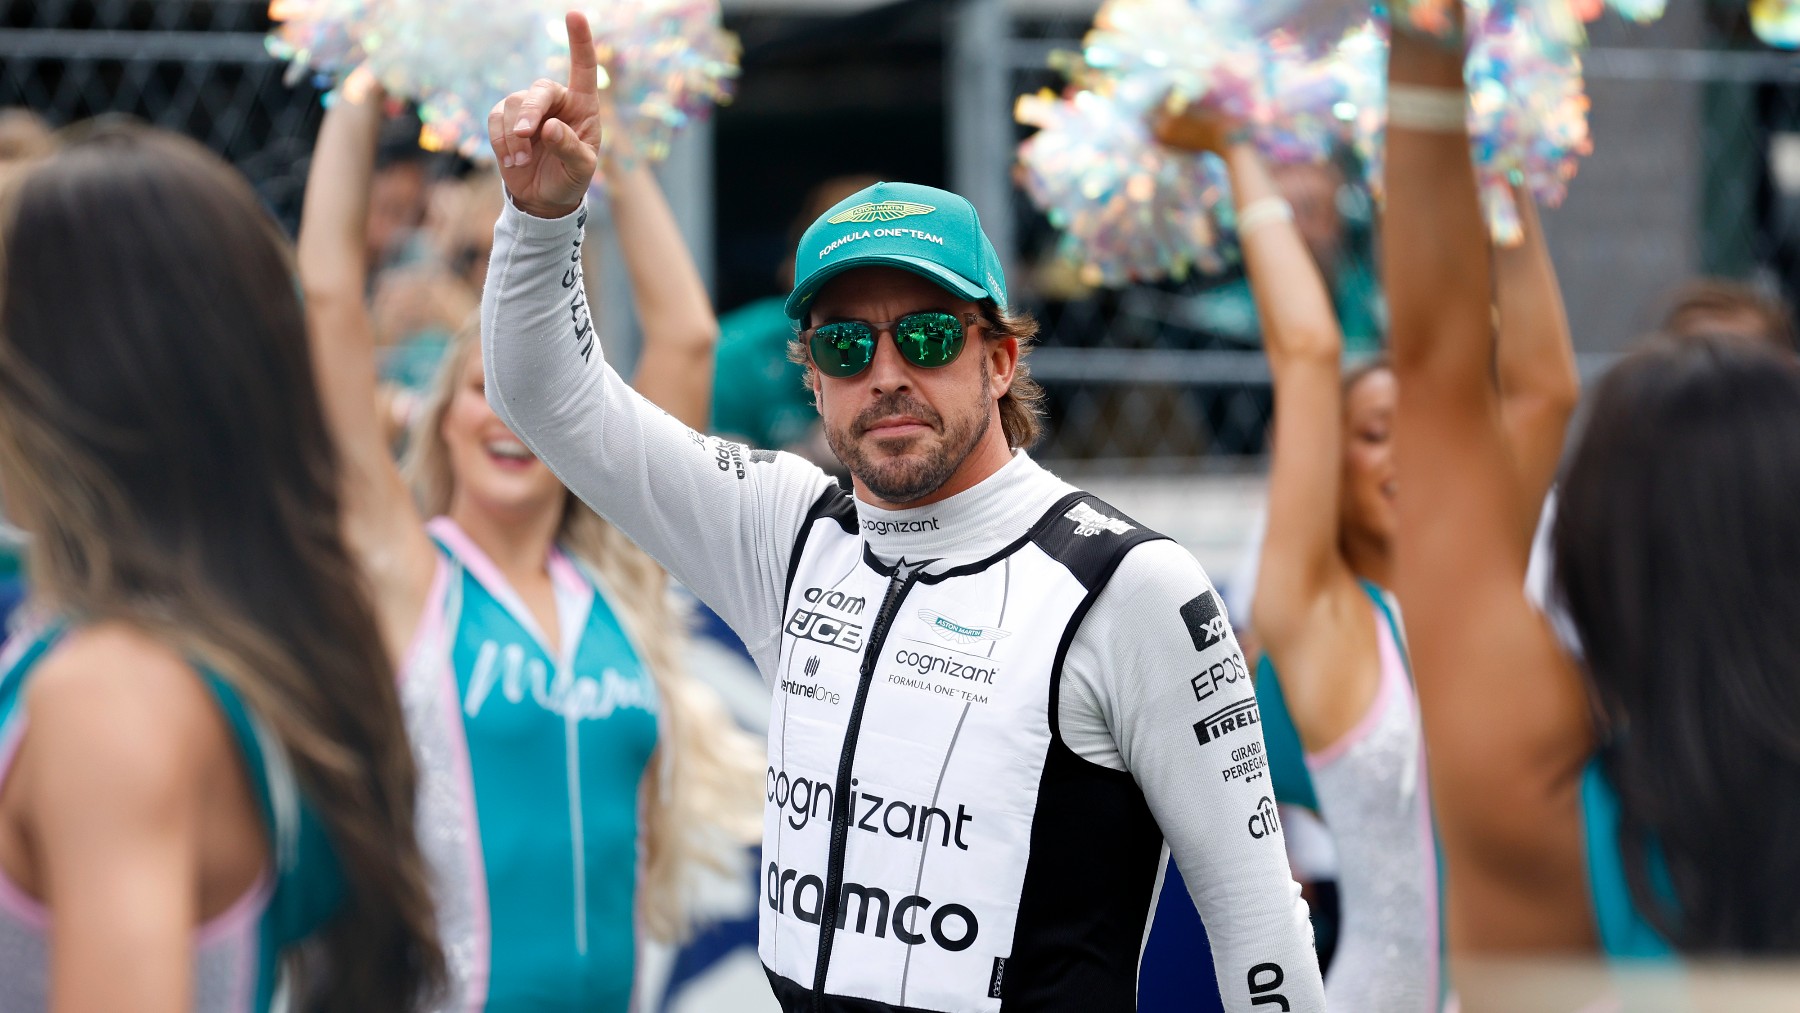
161,436
701,794
1021,407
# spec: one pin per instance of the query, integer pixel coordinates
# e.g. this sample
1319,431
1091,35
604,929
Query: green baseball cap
930,232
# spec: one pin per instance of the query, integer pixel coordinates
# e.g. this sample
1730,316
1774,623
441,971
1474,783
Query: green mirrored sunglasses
933,338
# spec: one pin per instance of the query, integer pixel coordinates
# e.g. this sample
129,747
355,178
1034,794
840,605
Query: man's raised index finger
584,66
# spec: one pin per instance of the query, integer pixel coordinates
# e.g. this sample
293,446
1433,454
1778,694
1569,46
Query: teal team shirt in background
557,755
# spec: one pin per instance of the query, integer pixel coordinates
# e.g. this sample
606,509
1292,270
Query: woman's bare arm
681,334
1306,597
115,772
381,523
1505,717
1539,384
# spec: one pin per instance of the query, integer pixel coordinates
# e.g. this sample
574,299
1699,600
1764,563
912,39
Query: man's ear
1003,363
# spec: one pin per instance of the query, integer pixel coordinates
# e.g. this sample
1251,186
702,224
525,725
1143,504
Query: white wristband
1266,211
1434,110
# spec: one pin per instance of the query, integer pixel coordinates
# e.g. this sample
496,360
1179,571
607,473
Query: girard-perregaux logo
956,633
880,211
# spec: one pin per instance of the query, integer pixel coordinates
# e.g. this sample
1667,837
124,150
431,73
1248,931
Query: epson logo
952,926
837,601
1223,722
1265,821
1226,672
825,629
1206,624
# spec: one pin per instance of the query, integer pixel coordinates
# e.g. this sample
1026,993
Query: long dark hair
162,437
1678,556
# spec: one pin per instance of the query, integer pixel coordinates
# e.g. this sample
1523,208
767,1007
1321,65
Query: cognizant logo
802,800
925,663
952,927
900,527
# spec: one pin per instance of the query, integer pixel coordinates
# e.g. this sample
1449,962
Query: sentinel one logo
880,211
1223,722
1090,522
952,926
810,690
956,633
1264,822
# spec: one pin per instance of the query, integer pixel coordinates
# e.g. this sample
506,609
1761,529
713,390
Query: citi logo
1090,522
956,633
952,927
1265,821
1223,722
824,629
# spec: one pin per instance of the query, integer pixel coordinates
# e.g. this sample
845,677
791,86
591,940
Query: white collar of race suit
971,525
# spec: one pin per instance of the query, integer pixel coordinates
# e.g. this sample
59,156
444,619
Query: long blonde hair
701,788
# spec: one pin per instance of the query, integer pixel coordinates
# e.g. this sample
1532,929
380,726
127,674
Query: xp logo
1206,625
1223,722
1263,980
956,633
1264,822
825,630
880,211
1090,522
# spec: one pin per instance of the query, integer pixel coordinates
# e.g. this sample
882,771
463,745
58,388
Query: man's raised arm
721,518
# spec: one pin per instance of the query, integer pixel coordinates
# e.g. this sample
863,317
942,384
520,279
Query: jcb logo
826,630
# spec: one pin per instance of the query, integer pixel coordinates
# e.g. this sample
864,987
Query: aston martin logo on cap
880,211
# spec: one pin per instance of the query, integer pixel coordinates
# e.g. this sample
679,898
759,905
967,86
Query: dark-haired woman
1643,800
206,801
572,772
1322,612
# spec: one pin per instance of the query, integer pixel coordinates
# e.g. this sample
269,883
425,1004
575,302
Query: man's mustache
891,405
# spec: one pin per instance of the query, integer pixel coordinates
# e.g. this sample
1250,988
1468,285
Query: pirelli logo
1217,725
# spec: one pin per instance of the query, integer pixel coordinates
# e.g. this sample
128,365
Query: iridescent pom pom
1527,113
1777,22
1129,208
670,60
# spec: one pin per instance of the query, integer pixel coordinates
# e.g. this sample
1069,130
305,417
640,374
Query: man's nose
888,371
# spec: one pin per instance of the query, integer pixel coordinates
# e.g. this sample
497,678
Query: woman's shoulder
127,702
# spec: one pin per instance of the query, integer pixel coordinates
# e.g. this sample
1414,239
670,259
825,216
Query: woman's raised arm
1506,718
381,524
1539,384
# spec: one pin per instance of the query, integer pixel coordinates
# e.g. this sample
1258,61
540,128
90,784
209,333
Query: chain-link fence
1697,170
194,66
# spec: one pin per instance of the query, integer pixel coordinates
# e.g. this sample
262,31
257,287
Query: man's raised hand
547,138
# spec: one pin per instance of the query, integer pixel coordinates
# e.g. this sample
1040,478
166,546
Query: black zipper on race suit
905,575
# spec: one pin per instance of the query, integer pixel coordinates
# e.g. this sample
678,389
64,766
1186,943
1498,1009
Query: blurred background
1159,395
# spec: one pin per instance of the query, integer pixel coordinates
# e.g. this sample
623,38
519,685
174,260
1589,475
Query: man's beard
912,477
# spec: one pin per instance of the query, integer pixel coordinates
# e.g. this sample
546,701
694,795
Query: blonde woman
569,772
